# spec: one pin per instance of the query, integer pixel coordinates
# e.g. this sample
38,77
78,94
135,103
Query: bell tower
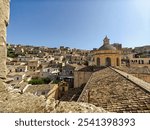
106,41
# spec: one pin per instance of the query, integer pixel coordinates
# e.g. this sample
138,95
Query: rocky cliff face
4,19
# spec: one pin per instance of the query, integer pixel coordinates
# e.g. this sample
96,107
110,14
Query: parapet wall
139,82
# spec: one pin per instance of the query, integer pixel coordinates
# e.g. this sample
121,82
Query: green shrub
36,81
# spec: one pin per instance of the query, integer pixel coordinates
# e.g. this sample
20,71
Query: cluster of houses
41,62
58,64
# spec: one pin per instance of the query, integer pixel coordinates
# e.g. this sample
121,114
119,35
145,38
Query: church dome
106,45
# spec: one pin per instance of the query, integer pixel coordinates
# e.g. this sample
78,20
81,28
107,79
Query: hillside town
62,73
111,78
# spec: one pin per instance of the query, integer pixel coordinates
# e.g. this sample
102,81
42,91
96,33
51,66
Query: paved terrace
115,93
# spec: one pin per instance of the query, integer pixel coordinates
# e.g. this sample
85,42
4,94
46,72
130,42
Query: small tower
106,41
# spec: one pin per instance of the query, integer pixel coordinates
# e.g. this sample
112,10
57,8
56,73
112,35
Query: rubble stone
29,103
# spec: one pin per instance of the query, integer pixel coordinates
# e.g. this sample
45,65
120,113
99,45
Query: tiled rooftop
114,93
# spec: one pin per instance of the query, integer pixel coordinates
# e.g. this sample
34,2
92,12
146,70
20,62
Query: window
43,93
71,72
117,60
98,61
93,59
108,61
63,89
139,62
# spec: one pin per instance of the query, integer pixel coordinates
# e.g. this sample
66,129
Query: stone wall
135,80
4,19
145,77
81,77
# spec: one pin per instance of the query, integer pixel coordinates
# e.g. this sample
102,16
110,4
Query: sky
79,24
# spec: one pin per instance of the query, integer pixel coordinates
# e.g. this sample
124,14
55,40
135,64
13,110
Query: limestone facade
145,61
4,19
33,65
106,55
81,77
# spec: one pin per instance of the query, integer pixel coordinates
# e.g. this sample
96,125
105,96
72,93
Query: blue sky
79,23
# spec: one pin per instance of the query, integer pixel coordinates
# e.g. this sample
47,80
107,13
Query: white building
49,72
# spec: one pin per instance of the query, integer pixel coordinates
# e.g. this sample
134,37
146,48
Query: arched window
108,61
98,61
139,62
93,59
117,62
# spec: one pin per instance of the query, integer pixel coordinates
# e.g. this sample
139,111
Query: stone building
33,65
82,76
42,89
106,55
4,19
63,88
17,78
118,46
138,61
